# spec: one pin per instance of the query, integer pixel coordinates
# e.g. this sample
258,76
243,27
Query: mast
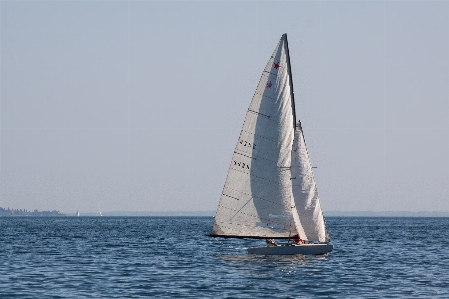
292,93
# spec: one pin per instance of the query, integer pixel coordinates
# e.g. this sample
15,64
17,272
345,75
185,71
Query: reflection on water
280,260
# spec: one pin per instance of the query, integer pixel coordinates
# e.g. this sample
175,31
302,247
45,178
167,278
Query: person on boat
297,239
271,242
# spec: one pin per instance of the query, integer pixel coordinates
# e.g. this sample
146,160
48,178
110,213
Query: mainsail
258,198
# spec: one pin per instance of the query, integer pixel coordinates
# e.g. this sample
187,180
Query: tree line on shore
24,212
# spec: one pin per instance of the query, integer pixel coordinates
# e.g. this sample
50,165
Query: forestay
257,199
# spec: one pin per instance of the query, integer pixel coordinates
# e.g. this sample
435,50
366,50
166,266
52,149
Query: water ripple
141,257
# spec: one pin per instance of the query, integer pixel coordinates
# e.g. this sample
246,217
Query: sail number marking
241,164
248,144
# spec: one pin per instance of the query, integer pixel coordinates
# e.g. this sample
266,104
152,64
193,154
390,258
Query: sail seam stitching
256,176
255,157
245,155
233,229
259,177
270,73
259,113
254,197
265,96
260,218
258,135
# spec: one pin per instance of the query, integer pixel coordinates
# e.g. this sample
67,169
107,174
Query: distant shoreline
19,212
25,213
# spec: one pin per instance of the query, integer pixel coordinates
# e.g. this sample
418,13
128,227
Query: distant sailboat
270,191
77,213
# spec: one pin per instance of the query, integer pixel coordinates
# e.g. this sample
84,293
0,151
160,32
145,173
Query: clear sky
137,105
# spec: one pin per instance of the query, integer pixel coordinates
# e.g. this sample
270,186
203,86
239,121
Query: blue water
142,257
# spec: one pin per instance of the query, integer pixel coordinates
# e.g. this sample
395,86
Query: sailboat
270,191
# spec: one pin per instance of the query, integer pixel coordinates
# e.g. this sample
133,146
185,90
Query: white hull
292,249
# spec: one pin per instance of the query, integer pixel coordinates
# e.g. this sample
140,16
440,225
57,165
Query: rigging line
242,207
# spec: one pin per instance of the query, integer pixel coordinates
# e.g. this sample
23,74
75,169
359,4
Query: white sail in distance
305,191
257,198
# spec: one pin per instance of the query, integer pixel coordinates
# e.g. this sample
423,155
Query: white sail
305,192
257,199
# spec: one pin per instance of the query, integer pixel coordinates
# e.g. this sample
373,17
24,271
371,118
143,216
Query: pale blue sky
137,105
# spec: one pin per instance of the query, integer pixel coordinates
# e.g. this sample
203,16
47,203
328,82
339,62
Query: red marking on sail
269,84
276,65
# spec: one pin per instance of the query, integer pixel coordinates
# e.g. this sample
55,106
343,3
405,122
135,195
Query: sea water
171,257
